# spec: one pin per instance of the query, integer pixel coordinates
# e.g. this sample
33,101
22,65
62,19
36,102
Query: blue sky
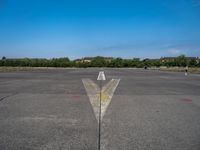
118,28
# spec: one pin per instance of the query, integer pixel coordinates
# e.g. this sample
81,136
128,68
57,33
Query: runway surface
51,110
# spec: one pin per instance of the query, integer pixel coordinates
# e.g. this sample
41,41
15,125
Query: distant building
167,59
109,59
172,59
89,59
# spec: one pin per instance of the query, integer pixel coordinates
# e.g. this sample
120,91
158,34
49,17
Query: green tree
126,63
193,63
147,62
136,62
181,61
60,62
198,64
98,62
118,62
3,58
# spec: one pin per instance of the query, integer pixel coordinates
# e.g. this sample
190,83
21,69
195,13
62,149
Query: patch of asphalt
150,110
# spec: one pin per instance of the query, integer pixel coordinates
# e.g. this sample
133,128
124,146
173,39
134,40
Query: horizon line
97,56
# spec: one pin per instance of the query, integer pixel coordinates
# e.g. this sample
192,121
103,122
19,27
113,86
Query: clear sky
118,28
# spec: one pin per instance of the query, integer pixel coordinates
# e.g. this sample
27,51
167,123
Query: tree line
180,61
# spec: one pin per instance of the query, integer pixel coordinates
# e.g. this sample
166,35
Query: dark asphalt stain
186,100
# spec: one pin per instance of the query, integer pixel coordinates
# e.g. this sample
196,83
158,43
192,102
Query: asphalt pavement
50,110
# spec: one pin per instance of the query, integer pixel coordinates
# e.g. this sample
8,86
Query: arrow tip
101,76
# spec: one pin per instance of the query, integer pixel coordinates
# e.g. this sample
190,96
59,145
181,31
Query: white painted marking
107,92
93,93
101,76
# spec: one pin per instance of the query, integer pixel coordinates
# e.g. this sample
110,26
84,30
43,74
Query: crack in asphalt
7,96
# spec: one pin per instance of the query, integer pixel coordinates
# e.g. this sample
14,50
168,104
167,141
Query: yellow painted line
104,96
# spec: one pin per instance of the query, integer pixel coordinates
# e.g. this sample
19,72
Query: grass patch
178,69
16,69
